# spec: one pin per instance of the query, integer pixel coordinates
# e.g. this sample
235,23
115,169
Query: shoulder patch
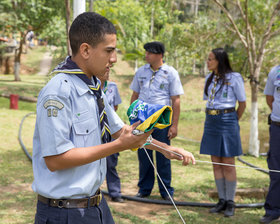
54,103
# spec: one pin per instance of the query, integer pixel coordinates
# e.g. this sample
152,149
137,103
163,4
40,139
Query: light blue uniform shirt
272,88
67,117
112,94
226,97
157,90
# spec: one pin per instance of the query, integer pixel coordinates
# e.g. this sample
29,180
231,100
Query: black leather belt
222,111
276,123
73,203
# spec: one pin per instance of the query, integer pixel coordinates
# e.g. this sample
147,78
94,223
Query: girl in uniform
221,137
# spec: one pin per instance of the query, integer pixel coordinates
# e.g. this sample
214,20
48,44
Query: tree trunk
17,71
192,8
196,7
204,69
7,65
18,56
194,67
91,5
67,7
16,68
254,143
152,21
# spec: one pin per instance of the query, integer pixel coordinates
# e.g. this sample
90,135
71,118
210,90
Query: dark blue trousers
93,215
112,177
163,165
272,203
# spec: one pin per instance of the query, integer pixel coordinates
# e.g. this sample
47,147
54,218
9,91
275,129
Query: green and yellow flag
150,115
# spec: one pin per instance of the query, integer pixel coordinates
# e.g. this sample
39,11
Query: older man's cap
155,47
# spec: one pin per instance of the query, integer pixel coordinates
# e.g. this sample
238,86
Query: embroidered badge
161,86
225,94
49,112
53,103
54,112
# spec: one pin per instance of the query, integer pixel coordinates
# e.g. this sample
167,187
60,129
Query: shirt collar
81,86
164,67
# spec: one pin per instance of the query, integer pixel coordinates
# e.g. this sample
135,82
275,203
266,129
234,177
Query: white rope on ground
226,164
223,164
149,141
163,183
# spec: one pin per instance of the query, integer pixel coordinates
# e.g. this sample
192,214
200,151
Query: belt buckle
213,112
60,203
99,198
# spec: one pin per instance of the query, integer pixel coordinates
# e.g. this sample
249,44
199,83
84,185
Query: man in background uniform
112,178
272,92
157,83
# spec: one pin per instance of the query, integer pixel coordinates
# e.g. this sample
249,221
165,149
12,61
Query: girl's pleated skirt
221,135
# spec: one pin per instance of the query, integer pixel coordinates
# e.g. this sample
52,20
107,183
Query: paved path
45,64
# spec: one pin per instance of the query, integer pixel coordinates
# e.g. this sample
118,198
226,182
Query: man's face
152,58
102,57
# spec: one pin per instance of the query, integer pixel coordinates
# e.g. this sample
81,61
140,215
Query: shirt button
87,131
65,80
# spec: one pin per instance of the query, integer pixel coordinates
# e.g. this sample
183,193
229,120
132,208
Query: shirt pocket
277,87
162,85
142,81
227,94
84,132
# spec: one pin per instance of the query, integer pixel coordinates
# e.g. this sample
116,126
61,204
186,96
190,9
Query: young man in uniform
73,130
272,92
111,91
157,83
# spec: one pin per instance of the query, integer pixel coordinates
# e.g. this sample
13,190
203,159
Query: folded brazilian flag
150,115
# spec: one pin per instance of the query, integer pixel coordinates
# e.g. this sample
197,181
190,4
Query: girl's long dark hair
223,68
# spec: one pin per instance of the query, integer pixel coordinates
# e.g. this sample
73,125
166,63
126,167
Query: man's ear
85,50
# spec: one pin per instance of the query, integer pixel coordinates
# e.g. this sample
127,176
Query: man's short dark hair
89,27
155,47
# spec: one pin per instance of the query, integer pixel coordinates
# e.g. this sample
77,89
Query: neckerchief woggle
105,87
70,67
150,115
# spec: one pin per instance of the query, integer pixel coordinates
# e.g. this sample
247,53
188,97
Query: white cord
149,141
226,164
223,164
164,185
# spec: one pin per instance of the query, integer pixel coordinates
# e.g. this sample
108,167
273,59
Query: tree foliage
188,28
20,16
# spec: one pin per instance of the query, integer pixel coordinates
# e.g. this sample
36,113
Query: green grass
191,183
29,86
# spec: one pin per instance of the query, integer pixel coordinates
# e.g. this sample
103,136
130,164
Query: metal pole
79,6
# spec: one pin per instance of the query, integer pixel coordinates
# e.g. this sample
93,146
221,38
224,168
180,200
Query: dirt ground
145,211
